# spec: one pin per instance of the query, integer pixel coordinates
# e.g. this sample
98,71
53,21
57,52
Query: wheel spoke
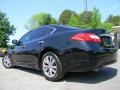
53,61
49,59
46,61
46,69
53,70
54,67
45,66
50,72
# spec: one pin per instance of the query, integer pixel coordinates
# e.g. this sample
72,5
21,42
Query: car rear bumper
87,61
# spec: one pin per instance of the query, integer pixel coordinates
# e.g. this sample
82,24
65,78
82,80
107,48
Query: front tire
51,67
7,61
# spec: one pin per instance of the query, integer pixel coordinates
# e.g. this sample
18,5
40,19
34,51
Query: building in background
116,30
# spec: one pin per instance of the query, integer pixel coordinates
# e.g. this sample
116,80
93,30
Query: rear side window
41,32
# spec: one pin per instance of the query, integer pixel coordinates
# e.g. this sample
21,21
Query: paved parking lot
28,79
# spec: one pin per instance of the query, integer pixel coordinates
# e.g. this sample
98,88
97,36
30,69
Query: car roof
58,28
63,27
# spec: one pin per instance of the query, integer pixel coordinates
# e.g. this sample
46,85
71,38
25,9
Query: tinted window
26,37
43,31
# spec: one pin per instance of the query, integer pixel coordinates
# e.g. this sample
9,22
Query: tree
40,19
107,26
65,16
115,20
6,29
53,21
74,21
95,19
109,19
85,17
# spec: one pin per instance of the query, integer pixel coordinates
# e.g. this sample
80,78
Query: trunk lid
106,38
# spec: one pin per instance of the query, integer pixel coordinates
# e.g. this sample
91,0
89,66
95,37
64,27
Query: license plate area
106,40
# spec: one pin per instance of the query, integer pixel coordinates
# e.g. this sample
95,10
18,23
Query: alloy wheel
49,66
6,61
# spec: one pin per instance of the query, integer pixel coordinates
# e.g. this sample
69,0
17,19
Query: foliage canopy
86,20
6,29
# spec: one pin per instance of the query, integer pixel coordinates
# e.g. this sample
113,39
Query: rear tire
7,61
51,67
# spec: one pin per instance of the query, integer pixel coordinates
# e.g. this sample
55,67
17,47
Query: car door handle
41,42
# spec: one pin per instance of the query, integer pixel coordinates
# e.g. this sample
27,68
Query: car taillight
87,37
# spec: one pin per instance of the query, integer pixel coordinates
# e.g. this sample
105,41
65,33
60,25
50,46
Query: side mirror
15,42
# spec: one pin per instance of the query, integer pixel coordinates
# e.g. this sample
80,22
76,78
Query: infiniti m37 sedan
57,49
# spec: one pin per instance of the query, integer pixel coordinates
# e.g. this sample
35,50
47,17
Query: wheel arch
47,49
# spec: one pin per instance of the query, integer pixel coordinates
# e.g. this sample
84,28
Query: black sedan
57,49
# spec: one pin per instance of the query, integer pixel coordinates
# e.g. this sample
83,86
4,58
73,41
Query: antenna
86,5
